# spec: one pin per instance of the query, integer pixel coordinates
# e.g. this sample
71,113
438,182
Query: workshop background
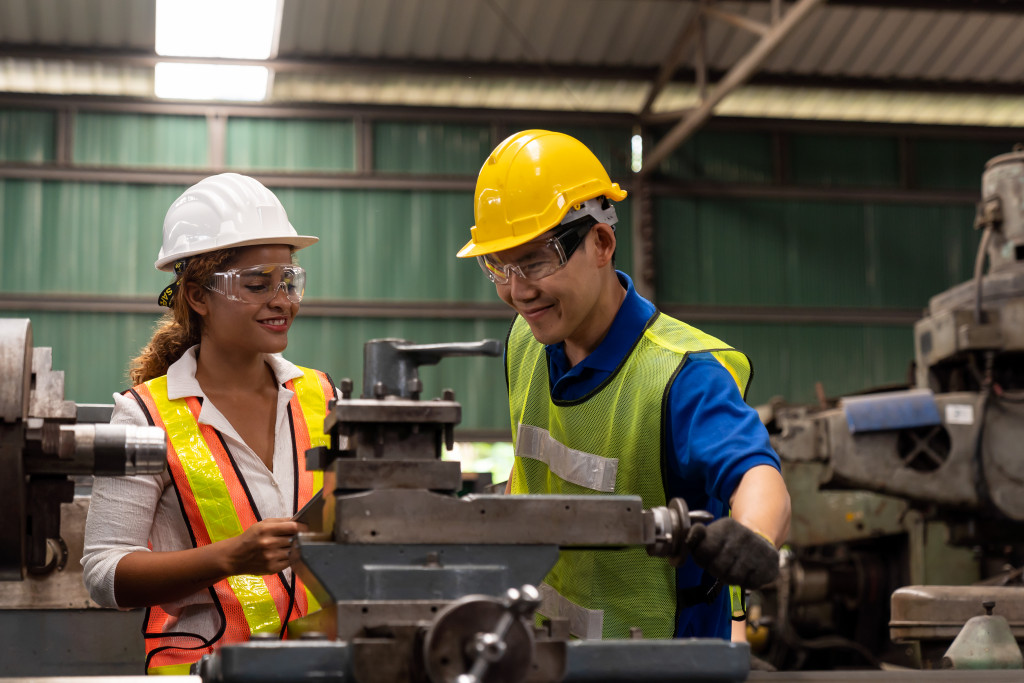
823,188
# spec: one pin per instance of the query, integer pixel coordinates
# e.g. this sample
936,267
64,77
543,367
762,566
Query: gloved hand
732,553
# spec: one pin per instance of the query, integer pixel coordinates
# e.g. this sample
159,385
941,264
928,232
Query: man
608,396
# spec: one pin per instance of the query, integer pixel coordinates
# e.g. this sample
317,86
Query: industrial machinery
47,445
419,584
923,486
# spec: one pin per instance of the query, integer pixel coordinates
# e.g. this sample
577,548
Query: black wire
291,606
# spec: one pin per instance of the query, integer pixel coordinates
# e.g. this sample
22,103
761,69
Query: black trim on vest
596,390
213,594
142,404
295,461
334,387
238,473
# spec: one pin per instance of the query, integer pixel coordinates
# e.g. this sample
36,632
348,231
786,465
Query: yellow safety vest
607,442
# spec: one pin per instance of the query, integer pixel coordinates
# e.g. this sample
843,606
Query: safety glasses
536,260
260,284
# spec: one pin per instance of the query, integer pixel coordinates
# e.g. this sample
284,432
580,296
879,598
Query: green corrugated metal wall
398,245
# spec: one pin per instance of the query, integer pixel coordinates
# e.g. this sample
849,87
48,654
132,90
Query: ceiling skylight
215,29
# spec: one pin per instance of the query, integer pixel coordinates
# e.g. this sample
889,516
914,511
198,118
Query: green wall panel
160,141
27,136
788,253
83,238
844,160
290,145
612,145
388,245
953,164
400,147
93,349
788,359
730,157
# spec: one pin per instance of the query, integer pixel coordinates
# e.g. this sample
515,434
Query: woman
205,545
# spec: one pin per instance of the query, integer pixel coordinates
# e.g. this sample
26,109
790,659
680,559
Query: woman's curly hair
181,327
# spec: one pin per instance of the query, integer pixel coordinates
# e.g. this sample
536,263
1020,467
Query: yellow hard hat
527,186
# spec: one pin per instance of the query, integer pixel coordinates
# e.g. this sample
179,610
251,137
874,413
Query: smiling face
576,304
241,327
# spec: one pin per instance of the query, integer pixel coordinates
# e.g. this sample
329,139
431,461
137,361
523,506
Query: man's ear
604,243
195,297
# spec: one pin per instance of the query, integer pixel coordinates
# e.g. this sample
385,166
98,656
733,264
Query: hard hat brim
166,263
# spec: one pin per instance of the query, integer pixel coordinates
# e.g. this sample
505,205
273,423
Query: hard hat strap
166,297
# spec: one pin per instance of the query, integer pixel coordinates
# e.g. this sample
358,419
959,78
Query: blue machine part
891,410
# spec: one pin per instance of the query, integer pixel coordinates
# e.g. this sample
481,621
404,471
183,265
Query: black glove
732,553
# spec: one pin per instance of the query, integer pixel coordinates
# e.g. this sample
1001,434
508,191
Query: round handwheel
481,638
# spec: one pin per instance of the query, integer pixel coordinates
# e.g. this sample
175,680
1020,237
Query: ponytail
181,328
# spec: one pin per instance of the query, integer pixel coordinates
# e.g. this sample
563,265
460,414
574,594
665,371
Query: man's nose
520,288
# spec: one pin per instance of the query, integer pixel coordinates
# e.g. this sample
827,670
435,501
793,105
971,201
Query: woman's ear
604,243
195,297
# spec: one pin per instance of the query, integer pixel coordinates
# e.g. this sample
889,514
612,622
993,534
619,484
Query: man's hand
733,554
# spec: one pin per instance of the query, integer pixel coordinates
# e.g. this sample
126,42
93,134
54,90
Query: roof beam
129,59
736,77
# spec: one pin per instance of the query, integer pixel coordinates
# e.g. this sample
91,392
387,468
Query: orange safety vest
216,505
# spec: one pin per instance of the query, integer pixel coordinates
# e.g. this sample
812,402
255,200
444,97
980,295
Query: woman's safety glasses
536,260
260,284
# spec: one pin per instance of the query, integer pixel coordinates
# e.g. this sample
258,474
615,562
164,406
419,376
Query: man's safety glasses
537,260
260,284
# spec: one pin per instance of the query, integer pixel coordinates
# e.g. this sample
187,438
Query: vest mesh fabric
623,419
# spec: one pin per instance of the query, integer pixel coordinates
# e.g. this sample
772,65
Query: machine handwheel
478,639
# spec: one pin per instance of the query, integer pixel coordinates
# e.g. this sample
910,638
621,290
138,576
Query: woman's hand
263,548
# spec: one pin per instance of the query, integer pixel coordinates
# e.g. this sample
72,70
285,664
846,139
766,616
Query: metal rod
736,76
738,20
672,62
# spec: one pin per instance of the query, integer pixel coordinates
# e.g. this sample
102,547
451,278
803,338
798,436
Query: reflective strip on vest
584,623
213,501
312,391
170,670
585,469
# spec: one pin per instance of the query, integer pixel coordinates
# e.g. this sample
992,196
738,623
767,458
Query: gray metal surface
382,517
15,368
419,571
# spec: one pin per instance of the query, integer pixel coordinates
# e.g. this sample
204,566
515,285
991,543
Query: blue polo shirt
716,436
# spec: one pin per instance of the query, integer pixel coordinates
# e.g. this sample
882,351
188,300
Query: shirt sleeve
715,436
121,512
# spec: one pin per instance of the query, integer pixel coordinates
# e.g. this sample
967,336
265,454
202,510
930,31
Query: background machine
49,447
920,487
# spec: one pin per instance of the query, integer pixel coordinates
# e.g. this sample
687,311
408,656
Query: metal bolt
346,388
379,391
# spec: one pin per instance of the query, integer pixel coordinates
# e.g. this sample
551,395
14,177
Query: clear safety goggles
260,284
539,259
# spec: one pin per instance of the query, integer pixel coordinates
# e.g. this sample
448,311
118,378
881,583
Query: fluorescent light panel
211,82
239,29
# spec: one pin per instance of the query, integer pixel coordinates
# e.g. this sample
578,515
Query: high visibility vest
607,442
216,505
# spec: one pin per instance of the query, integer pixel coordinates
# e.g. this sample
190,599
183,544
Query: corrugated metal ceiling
599,55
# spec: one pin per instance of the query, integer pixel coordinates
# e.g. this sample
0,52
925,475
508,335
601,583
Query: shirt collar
181,375
626,328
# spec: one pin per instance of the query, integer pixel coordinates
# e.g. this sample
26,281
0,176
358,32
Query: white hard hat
225,210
